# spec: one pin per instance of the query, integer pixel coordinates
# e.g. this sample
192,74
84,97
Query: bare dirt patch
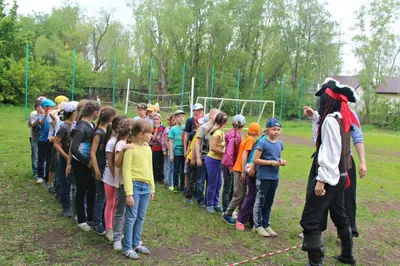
52,241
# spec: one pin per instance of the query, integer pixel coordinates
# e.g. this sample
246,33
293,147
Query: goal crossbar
263,102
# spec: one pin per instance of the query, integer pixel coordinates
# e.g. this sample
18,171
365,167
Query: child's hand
275,163
164,153
130,201
128,147
243,178
98,175
320,189
187,161
90,166
283,162
199,162
152,196
171,158
308,111
192,163
67,170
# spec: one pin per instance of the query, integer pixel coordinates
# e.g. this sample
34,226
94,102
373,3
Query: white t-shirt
107,176
119,180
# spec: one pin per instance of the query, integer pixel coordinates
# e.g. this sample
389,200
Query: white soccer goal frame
264,103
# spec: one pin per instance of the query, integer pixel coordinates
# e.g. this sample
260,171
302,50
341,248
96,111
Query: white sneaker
117,245
39,181
84,227
109,235
234,215
270,231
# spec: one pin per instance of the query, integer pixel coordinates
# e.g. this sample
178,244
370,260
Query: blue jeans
34,156
134,216
202,176
73,196
99,203
168,171
64,183
264,199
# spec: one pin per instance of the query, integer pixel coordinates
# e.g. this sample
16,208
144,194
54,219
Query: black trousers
313,212
84,185
158,166
192,184
44,157
179,176
349,202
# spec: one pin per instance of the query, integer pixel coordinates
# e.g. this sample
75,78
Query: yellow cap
60,99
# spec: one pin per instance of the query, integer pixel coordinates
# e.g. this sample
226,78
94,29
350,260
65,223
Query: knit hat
254,128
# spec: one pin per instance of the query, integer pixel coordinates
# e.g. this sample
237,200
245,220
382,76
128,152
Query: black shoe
202,205
345,260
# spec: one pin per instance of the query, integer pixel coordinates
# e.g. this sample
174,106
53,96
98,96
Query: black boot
314,245
346,256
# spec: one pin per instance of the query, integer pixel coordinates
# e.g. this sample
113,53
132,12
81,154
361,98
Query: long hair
88,109
116,123
125,128
105,116
327,105
219,121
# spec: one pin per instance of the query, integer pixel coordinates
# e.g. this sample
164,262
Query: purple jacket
231,150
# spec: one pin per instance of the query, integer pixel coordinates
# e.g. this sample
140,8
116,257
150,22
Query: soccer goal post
263,103
167,103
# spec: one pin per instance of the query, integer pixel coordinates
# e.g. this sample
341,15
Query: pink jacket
231,150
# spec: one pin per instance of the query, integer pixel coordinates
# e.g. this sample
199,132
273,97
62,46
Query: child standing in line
62,143
139,187
239,189
109,177
156,147
268,158
176,156
34,135
141,111
233,139
120,147
168,164
82,136
213,163
246,210
45,145
101,136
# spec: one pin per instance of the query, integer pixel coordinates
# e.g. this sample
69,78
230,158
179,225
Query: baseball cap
273,122
152,108
60,99
179,112
254,128
197,118
47,103
239,120
69,108
197,106
204,119
41,98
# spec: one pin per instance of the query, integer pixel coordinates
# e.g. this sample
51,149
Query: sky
343,11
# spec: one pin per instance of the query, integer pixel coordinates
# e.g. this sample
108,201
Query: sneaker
218,209
176,189
270,231
228,219
132,255
99,229
234,215
47,185
345,260
261,231
52,190
210,209
84,227
109,235
117,245
202,205
239,226
171,188
301,236
90,223
39,180
67,214
188,201
76,218
142,250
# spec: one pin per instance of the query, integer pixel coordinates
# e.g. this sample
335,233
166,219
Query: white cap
197,106
70,107
239,119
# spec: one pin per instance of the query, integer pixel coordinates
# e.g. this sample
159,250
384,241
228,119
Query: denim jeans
119,214
168,171
264,199
202,176
73,195
64,183
34,156
99,203
134,216
227,192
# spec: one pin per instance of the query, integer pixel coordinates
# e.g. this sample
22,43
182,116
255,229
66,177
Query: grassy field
33,232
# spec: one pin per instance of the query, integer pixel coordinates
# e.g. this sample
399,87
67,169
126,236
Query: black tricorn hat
335,85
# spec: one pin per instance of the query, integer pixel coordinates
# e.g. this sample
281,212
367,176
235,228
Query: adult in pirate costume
328,175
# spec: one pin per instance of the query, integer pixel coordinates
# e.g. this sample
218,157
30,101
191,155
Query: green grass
32,232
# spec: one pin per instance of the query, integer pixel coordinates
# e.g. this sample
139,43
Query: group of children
104,174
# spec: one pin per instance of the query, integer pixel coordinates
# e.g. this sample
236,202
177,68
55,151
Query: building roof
391,86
